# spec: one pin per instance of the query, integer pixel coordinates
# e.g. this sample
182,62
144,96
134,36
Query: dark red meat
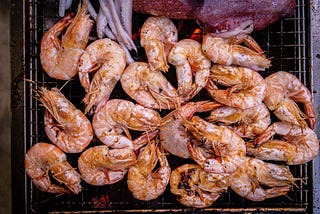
219,15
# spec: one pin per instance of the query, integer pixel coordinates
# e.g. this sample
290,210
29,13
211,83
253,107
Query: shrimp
196,187
215,148
246,123
253,173
100,165
189,61
227,51
284,87
247,87
109,60
112,121
149,88
143,183
173,135
59,59
158,36
299,145
44,157
65,125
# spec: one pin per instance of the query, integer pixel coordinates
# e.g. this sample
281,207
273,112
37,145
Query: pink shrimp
59,59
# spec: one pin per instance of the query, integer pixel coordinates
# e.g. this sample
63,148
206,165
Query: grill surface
287,42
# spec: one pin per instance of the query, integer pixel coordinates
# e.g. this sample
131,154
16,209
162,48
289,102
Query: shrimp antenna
30,81
65,84
287,196
52,198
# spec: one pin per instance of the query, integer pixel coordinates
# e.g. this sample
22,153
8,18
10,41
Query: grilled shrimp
195,187
190,63
245,122
65,125
173,135
298,145
59,59
227,51
109,60
143,183
158,35
215,148
101,165
44,157
112,121
253,174
283,89
149,88
247,88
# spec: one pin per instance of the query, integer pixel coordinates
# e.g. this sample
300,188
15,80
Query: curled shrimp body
65,125
246,123
149,88
215,148
143,182
298,145
59,59
247,88
254,174
44,157
109,60
283,89
227,51
112,121
173,135
190,63
158,35
195,187
100,165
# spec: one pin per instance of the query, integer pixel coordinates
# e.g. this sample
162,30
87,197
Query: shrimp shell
158,35
227,51
112,121
283,86
143,183
100,165
109,59
253,174
59,59
215,148
149,88
196,187
191,64
246,123
44,157
65,125
299,145
173,135
247,87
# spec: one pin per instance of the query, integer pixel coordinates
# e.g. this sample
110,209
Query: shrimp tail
309,109
277,191
205,106
253,59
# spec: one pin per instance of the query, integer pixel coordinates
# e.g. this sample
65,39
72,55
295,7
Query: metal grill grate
285,41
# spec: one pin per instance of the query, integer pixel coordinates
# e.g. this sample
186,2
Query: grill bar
289,42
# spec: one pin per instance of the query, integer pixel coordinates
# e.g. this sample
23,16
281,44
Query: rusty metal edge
315,87
17,54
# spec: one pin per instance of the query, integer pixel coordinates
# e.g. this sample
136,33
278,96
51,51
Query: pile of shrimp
250,120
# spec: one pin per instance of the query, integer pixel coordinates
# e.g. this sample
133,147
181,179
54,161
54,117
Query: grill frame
26,111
